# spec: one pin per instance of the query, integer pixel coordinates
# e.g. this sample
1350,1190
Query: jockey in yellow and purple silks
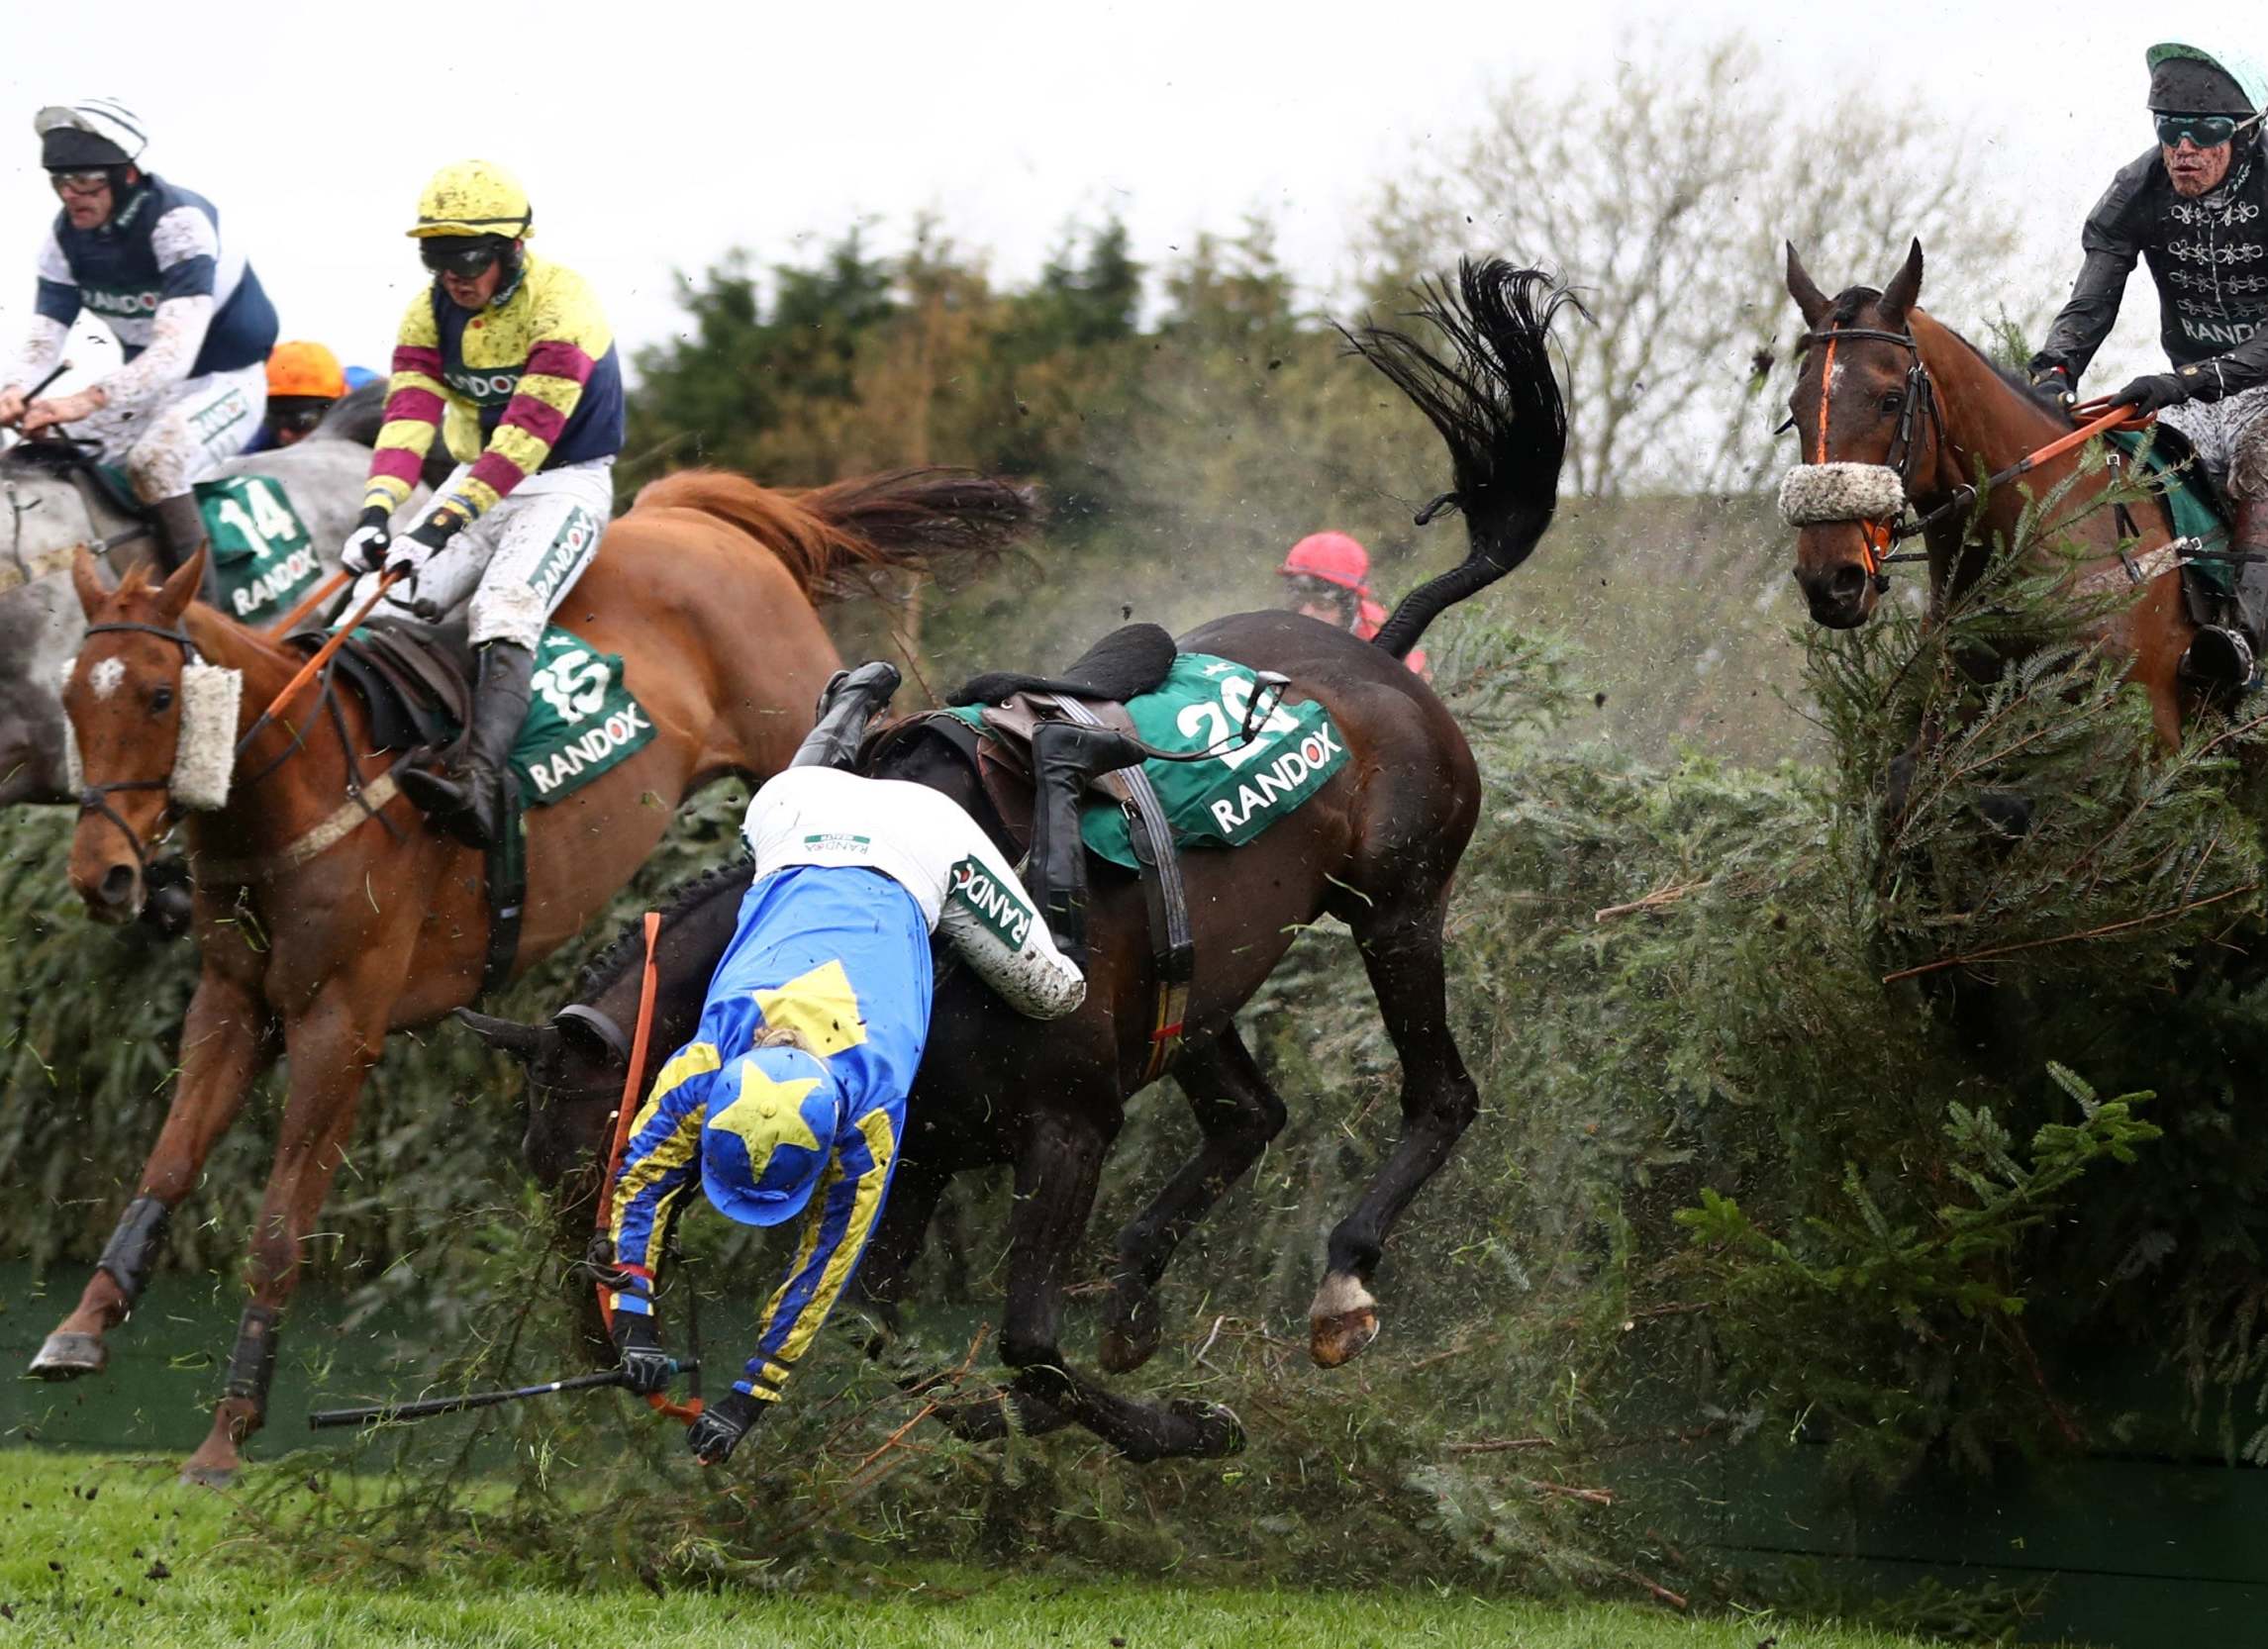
792,1093
511,359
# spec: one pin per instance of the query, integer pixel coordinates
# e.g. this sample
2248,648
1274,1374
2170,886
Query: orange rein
625,1110
319,657
314,598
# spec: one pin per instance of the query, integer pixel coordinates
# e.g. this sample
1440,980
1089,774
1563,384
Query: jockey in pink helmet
1329,576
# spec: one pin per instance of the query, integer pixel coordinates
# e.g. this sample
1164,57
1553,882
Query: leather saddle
1123,665
414,679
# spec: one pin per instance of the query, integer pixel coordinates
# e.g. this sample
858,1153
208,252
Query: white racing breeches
182,435
2231,438
516,562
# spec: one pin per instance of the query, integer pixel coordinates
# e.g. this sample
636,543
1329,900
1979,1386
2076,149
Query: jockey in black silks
791,1097
2194,209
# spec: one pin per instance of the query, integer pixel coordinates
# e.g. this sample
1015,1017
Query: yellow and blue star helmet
768,1135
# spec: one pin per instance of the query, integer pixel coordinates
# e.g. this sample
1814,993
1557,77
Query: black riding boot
2226,658
851,698
1064,757
180,530
470,802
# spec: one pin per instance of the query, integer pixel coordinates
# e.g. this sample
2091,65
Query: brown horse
1884,385
329,915
1376,847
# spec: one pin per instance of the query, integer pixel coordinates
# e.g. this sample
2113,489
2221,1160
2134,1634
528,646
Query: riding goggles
468,256
80,183
2203,130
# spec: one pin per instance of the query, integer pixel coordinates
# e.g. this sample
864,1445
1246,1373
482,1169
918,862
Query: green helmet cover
2173,56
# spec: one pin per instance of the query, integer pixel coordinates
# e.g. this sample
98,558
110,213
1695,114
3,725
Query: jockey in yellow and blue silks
791,1095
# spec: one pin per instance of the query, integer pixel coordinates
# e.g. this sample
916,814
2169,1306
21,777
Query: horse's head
154,725
575,1064
1863,409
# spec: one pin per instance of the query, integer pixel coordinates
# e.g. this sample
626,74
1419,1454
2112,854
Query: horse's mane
44,458
834,539
627,947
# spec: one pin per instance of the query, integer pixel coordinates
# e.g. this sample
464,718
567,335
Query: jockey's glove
719,1426
2152,392
367,545
2052,387
421,542
646,1367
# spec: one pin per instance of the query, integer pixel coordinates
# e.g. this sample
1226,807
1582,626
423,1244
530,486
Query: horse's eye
1892,400
160,700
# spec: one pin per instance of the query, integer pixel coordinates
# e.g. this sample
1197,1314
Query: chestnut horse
328,914
1885,386
1376,847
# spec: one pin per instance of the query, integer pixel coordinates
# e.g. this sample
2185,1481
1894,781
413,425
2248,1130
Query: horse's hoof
1220,1434
1341,1337
1132,1338
68,1355
202,1476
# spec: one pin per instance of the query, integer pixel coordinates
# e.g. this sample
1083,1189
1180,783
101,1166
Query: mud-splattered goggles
468,256
2203,130
80,183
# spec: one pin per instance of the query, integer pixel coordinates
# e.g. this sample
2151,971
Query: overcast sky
653,138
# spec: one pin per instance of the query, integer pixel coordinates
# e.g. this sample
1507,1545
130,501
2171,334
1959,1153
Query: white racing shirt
925,843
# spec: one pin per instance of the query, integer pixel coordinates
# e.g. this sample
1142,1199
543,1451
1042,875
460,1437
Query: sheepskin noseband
205,754
204,751
1814,494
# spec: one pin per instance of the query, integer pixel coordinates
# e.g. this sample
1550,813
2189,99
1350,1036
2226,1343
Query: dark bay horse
328,917
1885,386
1375,847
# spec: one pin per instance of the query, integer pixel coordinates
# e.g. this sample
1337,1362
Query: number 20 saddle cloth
1140,818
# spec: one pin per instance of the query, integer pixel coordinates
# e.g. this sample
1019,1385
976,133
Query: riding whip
625,1110
319,657
325,1419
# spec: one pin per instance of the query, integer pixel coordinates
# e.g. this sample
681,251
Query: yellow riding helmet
474,197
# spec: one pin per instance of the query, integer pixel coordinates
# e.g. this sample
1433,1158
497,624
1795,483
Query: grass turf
104,1551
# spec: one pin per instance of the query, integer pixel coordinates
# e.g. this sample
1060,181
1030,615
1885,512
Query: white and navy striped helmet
80,137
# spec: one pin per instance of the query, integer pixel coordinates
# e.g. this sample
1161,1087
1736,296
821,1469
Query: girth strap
1172,947
506,889
334,829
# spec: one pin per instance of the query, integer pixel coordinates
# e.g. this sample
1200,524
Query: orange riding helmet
1334,557
304,369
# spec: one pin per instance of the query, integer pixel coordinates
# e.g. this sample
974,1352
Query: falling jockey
511,360
792,1093
2195,207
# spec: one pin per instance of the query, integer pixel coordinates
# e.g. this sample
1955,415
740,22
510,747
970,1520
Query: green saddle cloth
2169,470
1225,799
582,721
263,559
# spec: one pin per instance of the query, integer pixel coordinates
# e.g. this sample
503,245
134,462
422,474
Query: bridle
1879,533
95,799
1892,523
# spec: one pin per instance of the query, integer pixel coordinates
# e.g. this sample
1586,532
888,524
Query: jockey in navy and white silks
2195,210
147,258
791,1095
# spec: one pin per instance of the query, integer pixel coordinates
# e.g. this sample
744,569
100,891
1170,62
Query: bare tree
1664,195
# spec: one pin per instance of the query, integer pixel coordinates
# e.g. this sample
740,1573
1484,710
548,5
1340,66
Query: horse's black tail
1498,405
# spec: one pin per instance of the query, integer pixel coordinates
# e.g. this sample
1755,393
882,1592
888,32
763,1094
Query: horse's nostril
117,884
1848,582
